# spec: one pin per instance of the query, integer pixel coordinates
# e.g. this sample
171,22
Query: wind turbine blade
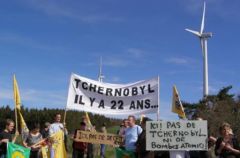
194,32
203,18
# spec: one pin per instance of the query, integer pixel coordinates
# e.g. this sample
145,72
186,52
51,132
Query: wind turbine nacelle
206,35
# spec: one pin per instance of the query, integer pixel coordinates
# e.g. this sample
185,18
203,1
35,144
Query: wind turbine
203,36
100,75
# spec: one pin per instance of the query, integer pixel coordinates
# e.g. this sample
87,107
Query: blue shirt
131,136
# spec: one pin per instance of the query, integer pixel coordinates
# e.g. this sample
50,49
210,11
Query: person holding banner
33,138
6,136
227,145
57,125
131,134
177,108
55,128
79,148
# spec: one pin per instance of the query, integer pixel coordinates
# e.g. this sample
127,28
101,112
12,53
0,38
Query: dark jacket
225,153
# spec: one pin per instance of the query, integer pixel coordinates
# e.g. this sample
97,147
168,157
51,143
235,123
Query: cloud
115,79
135,52
177,61
32,97
221,8
25,41
116,62
192,6
112,61
6,94
127,57
65,10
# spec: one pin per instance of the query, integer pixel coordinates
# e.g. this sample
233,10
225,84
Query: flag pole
158,111
65,112
16,120
14,97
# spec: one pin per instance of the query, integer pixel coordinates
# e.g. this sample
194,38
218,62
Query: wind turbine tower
100,75
203,36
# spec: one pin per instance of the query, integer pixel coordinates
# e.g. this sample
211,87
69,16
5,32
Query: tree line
216,109
73,118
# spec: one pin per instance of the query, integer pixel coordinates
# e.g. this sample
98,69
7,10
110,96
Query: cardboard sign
176,135
99,138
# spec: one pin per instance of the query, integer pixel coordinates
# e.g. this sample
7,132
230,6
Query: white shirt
55,127
177,154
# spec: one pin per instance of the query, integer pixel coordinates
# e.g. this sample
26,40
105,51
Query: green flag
17,151
120,153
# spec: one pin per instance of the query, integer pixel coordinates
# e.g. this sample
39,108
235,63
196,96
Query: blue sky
44,41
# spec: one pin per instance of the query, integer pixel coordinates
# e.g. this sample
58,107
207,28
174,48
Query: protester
6,136
141,142
211,146
95,146
79,148
131,134
45,130
103,146
57,125
90,147
227,145
33,138
54,128
121,131
123,126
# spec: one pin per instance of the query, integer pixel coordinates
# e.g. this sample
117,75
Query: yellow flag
17,99
58,146
88,121
23,126
177,104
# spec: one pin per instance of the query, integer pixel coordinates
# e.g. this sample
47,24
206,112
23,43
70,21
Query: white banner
113,99
177,135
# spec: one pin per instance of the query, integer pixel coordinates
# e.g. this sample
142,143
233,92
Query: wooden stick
41,141
16,120
64,118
